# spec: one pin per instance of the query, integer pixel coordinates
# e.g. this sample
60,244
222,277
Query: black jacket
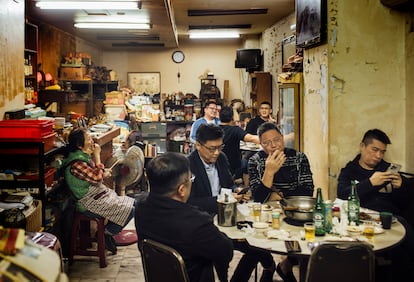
201,195
370,196
189,231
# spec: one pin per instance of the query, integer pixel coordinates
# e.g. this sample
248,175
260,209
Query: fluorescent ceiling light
213,34
113,25
88,5
111,19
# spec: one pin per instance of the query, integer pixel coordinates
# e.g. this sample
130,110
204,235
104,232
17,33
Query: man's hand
275,161
242,197
380,178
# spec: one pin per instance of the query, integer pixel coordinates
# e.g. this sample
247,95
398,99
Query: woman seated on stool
84,174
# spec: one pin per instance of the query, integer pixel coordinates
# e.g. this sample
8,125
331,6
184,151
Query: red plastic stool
81,238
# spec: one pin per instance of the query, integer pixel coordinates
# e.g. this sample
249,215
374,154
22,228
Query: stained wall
11,57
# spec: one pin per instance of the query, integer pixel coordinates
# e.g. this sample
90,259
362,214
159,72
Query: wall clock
178,57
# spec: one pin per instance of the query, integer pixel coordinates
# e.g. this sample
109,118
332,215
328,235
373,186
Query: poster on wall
145,82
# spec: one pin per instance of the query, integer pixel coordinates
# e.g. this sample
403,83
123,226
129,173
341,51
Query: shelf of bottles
178,108
30,63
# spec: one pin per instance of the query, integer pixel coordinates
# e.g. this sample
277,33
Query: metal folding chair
341,262
162,263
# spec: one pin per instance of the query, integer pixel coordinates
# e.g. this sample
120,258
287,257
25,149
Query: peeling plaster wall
315,115
271,44
367,80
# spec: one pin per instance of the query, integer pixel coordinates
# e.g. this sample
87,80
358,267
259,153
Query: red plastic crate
12,129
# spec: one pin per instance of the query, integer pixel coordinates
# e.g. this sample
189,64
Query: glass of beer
368,229
257,211
309,231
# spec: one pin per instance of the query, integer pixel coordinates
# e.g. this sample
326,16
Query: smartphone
394,168
292,246
243,191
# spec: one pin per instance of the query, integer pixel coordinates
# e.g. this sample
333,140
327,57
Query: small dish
260,225
354,229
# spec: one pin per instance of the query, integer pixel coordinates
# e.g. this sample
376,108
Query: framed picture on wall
145,82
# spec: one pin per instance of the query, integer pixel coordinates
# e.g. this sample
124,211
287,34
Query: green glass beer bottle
319,214
353,205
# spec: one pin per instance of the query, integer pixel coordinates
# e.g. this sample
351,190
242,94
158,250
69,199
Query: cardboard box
73,73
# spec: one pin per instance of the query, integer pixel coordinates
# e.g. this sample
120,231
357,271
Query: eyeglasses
212,108
213,149
192,178
273,141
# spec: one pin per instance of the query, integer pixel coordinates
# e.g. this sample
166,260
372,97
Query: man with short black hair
164,216
380,189
233,134
264,115
210,117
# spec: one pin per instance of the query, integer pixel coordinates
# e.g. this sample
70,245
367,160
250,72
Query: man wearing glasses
210,117
264,115
211,169
277,172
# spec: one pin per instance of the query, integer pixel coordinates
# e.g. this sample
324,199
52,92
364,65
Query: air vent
135,44
221,26
128,37
195,13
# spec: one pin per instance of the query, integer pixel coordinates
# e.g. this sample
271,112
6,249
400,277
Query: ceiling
170,20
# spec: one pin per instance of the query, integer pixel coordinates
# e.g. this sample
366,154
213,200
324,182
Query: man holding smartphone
381,188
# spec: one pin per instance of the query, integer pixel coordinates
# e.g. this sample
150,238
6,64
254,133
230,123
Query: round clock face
178,57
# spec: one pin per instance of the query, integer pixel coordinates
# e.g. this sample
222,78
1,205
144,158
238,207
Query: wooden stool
81,238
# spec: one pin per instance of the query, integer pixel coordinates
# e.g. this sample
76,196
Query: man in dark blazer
212,172
164,216
208,162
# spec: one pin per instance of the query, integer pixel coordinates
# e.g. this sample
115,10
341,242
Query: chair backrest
341,262
162,263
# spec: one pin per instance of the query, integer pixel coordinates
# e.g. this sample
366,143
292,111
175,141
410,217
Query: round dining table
273,240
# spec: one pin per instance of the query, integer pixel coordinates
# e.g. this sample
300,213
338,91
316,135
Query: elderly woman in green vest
84,172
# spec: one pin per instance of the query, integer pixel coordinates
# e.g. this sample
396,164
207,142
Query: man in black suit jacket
164,216
212,172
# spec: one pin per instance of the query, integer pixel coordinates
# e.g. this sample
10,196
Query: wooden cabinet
261,89
30,62
89,96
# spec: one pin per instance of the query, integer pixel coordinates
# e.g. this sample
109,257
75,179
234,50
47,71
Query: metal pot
298,208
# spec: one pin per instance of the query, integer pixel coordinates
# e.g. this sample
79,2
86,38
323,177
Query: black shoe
287,277
110,244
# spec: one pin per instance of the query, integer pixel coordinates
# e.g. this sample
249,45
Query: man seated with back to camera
164,216
233,134
211,169
381,190
276,172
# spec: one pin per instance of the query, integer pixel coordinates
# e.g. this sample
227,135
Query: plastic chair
162,263
341,262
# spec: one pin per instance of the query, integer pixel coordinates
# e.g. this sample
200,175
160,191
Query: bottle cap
275,214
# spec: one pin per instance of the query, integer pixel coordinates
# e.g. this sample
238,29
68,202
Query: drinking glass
309,231
257,211
368,229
